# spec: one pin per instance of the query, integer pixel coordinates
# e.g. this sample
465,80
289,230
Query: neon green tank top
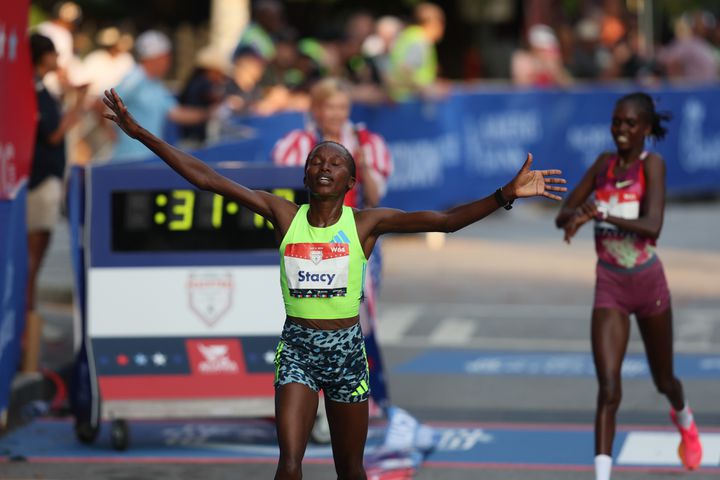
322,270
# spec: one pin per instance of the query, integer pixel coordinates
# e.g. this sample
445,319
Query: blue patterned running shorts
331,360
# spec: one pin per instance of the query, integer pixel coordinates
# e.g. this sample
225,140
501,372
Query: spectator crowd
384,60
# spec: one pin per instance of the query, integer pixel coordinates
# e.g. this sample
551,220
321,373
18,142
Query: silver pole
645,19
228,18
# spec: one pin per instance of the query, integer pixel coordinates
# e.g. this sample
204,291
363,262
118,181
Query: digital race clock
187,219
183,303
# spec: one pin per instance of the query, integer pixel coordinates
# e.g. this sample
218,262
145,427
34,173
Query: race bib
317,270
618,204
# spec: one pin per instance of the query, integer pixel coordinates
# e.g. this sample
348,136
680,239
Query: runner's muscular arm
390,220
527,183
373,222
275,209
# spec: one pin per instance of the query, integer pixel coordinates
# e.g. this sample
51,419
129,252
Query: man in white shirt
59,29
105,67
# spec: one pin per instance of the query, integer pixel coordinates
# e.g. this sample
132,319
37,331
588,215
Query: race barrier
17,134
468,144
472,143
13,274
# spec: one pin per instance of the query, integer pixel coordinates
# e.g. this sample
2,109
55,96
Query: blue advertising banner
473,141
13,275
466,145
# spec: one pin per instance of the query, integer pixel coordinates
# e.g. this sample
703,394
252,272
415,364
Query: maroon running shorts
643,292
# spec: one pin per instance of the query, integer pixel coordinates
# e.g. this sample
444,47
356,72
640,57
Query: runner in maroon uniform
628,206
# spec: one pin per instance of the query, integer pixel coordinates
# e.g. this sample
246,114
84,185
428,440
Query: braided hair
646,106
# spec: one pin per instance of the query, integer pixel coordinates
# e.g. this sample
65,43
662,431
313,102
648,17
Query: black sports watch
501,200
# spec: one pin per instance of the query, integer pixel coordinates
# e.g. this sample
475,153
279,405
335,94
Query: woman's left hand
120,114
534,183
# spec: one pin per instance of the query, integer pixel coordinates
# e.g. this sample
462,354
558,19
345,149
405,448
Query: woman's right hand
120,114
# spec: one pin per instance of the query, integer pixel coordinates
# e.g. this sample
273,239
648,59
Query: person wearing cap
66,16
413,65
106,66
541,65
151,102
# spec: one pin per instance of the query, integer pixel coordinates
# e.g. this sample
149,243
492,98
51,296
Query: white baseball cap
152,43
542,36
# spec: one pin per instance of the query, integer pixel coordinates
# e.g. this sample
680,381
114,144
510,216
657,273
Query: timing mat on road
499,446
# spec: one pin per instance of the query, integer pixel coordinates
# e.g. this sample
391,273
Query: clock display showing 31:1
185,219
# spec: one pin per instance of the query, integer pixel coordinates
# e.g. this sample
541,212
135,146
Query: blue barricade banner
468,144
269,129
473,141
13,276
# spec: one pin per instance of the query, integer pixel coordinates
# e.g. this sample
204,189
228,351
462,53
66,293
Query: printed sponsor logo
698,144
210,357
316,256
210,295
463,439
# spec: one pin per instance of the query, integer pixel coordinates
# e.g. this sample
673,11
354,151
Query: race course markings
459,445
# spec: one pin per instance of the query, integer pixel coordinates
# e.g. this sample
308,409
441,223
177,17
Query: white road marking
394,321
456,331
660,449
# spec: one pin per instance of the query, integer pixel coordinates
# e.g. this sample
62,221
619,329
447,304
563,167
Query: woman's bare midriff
319,324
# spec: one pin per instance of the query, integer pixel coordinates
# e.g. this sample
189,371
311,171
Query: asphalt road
505,286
